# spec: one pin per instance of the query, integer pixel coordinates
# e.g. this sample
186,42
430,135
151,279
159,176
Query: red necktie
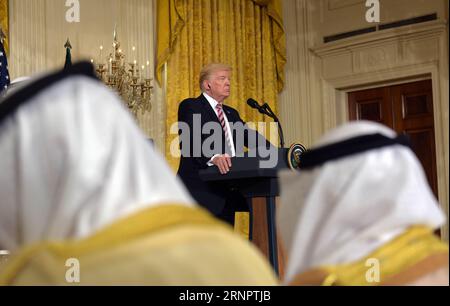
225,130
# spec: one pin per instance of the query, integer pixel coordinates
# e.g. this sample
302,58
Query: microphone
253,104
270,112
266,110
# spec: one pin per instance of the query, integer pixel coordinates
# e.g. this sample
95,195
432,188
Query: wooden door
406,108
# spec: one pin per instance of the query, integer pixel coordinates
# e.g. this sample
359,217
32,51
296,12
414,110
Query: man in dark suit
216,133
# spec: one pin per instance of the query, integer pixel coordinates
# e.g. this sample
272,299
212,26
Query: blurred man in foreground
81,188
361,213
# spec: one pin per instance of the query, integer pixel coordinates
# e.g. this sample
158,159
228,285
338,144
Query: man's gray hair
209,69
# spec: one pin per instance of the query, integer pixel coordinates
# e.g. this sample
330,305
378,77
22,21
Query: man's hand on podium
223,162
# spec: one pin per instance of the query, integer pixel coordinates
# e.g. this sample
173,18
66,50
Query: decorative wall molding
27,37
318,77
339,4
38,31
411,31
399,55
298,100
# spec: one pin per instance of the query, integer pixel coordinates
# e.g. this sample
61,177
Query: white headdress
342,209
73,160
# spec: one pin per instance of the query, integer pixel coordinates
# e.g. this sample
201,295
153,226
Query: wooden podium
259,186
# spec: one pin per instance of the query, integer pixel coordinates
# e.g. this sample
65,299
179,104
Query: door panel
422,144
372,104
406,108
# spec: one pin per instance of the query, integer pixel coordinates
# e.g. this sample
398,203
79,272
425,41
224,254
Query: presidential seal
294,155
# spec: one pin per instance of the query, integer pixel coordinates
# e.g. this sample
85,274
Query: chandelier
132,85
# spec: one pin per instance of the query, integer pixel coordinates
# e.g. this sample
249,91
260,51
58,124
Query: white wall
39,30
319,75
331,17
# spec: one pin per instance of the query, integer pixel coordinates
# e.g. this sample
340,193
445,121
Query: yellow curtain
246,34
4,21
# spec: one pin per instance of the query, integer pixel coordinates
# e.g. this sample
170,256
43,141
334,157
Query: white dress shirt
213,104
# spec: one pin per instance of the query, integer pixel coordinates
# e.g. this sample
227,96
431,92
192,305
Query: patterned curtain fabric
245,34
4,23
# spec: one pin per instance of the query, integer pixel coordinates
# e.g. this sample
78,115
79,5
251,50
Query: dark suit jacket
210,195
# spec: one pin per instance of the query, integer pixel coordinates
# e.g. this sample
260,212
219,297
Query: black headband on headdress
23,95
315,157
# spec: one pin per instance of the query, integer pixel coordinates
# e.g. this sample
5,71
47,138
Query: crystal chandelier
133,86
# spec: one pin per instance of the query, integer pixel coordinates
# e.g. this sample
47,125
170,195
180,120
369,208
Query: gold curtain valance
262,2
242,33
171,15
4,21
170,23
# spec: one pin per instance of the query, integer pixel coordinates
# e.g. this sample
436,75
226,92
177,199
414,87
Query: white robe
72,161
343,210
